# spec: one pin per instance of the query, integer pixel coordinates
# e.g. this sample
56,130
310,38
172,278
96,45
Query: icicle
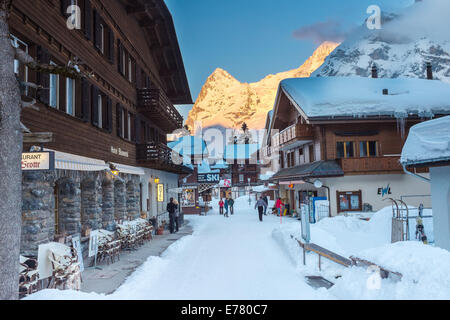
401,122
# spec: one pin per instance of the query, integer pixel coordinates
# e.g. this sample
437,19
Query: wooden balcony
371,165
296,132
154,104
158,156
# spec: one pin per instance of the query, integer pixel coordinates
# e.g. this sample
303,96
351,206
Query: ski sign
208,178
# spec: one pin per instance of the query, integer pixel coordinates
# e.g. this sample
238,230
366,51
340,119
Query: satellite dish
318,184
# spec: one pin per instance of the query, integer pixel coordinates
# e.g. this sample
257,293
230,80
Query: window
349,201
368,149
130,68
54,89
102,38
345,150
241,178
129,125
124,63
100,111
70,96
19,69
122,118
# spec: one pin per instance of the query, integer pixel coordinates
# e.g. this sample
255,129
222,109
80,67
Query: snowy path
234,258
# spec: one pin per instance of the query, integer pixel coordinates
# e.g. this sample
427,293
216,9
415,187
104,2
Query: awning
129,169
318,169
67,161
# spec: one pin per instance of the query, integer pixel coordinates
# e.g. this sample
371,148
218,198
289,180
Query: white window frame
54,76
16,42
100,110
70,85
130,67
122,133
102,38
129,125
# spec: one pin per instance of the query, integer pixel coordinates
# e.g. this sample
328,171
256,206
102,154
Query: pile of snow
428,142
335,97
421,265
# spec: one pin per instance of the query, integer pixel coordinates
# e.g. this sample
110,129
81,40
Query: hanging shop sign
160,192
208,178
35,161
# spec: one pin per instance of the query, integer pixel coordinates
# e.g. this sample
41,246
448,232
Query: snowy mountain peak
226,102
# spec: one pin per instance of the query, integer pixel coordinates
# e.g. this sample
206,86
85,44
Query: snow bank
425,269
428,142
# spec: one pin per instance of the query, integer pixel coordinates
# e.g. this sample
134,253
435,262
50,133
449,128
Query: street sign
208,178
160,192
35,161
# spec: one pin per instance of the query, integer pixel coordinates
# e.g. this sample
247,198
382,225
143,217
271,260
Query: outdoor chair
66,268
28,276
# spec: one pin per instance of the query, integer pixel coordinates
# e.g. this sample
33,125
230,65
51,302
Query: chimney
374,71
429,71
385,92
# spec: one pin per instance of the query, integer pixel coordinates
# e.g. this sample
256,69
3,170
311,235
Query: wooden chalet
347,134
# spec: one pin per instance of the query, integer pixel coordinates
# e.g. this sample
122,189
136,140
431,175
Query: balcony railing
156,105
296,132
373,164
157,155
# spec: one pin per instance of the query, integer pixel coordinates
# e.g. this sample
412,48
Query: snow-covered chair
28,276
66,272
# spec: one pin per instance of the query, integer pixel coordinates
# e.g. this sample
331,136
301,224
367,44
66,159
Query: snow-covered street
240,258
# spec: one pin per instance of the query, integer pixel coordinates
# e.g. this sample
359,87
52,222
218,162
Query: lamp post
249,199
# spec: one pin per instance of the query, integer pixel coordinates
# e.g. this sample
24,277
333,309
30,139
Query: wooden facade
131,49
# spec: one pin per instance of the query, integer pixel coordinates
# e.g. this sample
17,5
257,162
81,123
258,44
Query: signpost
208,178
76,243
36,161
93,247
306,235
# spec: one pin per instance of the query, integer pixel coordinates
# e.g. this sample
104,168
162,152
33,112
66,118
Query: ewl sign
208,178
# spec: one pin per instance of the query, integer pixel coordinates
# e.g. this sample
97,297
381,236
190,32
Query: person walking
171,208
231,205
177,215
261,204
279,205
221,204
226,208
267,202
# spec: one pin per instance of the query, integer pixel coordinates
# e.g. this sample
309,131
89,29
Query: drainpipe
414,174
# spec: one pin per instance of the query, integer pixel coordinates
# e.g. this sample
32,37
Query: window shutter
64,5
97,31
111,45
87,19
94,99
78,100
119,56
137,129
43,78
108,115
119,120
62,93
85,100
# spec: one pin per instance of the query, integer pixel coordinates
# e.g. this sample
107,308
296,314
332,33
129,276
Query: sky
253,38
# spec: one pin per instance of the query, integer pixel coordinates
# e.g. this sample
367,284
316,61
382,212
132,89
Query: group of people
227,204
174,215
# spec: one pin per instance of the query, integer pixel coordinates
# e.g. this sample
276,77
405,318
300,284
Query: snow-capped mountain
402,48
226,102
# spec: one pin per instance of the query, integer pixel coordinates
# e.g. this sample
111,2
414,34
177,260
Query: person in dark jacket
171,208
231,205
266,200
260,204
226,208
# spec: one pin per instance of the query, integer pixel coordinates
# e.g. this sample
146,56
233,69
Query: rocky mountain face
226,102
402,48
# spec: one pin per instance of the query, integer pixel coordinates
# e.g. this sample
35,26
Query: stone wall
84,199
38,217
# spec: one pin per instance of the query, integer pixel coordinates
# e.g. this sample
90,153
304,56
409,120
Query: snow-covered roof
263,188
333,97
266,176
204,167
189,145
221,164
428,142
240,151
